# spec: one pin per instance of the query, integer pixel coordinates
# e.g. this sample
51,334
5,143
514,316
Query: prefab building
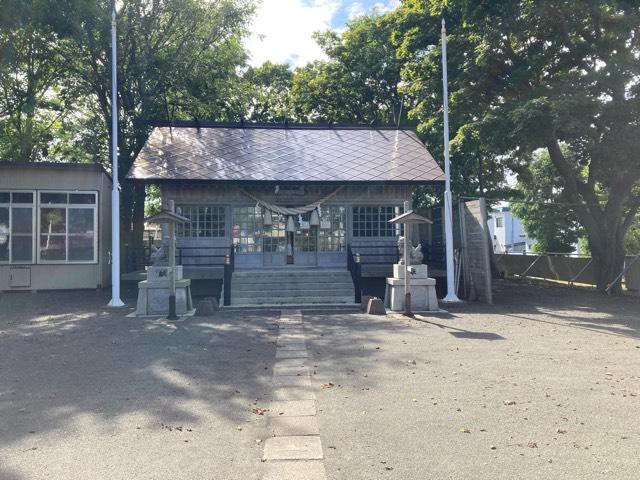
54,226
292,205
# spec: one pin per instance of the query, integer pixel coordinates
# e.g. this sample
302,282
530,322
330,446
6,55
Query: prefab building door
305,242
274,242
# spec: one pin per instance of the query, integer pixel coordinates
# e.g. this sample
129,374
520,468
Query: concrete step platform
292,287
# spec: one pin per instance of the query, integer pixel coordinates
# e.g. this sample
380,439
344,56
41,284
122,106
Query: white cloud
355,10
383,7
282,30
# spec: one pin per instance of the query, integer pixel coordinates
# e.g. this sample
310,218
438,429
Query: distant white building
507,232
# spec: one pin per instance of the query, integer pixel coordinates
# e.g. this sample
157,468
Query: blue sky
283,29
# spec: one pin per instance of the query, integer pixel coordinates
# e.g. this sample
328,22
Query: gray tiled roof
285,154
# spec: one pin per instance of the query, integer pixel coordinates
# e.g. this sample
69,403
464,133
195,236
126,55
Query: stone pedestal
153,293
422,288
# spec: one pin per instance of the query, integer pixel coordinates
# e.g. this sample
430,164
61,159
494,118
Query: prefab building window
16,227
205,221
246,229
332,231
374,221
67,227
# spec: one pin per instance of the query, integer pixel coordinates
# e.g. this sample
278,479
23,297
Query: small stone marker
376,307
206,307
293,448
364,304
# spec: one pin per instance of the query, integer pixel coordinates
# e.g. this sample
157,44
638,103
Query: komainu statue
415,253
160,256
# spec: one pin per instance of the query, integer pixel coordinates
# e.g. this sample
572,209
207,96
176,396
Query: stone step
291,287
299,294
291,278
240,286
270,300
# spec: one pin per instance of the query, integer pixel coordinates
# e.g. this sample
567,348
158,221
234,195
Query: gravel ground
89,394
545,384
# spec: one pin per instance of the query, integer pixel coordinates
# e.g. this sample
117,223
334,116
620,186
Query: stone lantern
165,291
410,271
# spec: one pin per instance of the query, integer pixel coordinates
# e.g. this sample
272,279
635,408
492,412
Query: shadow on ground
561,305
73,371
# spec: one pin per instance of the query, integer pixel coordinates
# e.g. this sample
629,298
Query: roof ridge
273,125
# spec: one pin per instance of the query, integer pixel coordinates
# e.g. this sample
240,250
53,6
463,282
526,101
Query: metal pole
172,266
407,284
581,271
448,215
530,266
624,270
115,191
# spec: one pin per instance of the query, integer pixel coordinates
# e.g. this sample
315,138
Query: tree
35,87
266,90
632,240
359,82
177,59
543,209
542,74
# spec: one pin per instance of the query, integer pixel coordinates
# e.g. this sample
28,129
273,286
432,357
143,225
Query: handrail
627,266
392,251
229,267
355,268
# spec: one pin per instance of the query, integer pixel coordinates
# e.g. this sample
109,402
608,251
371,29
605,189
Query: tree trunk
606,225
608,253
137,239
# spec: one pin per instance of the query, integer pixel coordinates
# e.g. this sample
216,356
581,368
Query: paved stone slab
291,362
298,345
293,393
287,339
296,370
293,448
300,470
285,426
290,327
294,408
291,353
288,330
292,381
289,321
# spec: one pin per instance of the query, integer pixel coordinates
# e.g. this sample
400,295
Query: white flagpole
448,220
115,192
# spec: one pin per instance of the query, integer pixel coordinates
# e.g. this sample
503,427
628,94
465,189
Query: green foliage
359,82
632,240
36,89
153,201
538,74
266,90
543,209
